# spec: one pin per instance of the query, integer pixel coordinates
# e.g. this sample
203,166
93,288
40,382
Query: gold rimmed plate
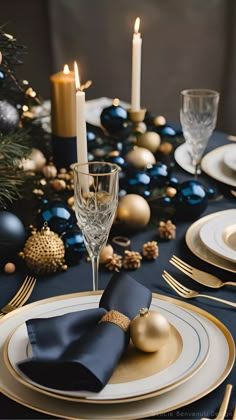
213,165
217,367
219,235
198,248
138,374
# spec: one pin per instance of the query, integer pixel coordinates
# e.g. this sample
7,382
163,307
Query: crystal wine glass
96,186
198,115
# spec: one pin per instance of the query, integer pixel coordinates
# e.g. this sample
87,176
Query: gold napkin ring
117,318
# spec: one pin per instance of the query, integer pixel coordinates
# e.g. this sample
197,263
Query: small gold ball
171,192
150,140
134,211
71,201
159,120
58,184
9,268
106,252
64,267
166,148
149,330
140,157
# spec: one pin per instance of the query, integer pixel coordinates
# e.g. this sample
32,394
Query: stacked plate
219,164
197,358
213,239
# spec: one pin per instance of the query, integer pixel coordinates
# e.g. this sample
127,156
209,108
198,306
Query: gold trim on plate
230,362
197,247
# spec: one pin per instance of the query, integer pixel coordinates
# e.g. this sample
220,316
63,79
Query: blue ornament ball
12,234
58,215
114,118
74,245
191,200
159,174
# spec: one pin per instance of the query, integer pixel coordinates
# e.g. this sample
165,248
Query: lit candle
136,67
63,119
63,103
81,133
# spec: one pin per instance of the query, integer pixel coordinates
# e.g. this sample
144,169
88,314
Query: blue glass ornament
167,130
118,160
159,174
12,235
74,245
113,118
2,75
173,182
58,215
191,200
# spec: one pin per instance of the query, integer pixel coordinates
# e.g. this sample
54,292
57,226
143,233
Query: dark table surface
79,278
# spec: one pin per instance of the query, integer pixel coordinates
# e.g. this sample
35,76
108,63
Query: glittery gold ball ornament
150,140
134,211
149,330
140,157
44,252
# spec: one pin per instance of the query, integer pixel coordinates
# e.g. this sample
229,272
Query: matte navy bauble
58,215
74,245
191,200
12,234
113,118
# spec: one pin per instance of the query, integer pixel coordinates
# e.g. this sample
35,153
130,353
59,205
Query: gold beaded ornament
44,252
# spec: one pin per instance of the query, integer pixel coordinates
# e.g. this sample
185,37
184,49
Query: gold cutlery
234,414
20,297
200,276
189,293
224,405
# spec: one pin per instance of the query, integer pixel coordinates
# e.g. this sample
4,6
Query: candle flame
137,25
66,69
77,79
116,102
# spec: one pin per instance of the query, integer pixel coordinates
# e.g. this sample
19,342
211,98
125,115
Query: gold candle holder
137,117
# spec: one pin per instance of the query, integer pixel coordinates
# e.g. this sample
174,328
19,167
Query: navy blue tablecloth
79,278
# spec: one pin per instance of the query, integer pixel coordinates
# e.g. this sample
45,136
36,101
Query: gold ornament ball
134,211
166,148
140,157
149,330
159,120
9,268
171,192
106,252
150,140
44,252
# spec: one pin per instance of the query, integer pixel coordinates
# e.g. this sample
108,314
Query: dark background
186,44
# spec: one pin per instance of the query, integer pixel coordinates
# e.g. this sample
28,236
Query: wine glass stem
95,267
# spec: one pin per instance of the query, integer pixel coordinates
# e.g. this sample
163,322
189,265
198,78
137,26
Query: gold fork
198,275
188,293
20,297
224,405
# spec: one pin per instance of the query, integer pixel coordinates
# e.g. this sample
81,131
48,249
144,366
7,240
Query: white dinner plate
198,248
144,376
213,165
217,367
183,158
219,235
230,157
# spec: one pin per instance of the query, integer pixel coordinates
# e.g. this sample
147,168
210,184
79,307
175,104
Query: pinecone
114,262
132,260
150,250
167,230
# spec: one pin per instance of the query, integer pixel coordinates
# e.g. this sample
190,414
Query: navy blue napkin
77,352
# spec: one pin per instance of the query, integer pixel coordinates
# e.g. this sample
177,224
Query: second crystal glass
198,115
96,186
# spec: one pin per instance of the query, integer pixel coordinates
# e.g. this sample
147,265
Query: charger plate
198,248
138,374
219,235
217,367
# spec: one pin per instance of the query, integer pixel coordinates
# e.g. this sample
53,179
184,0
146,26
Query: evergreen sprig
13,148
